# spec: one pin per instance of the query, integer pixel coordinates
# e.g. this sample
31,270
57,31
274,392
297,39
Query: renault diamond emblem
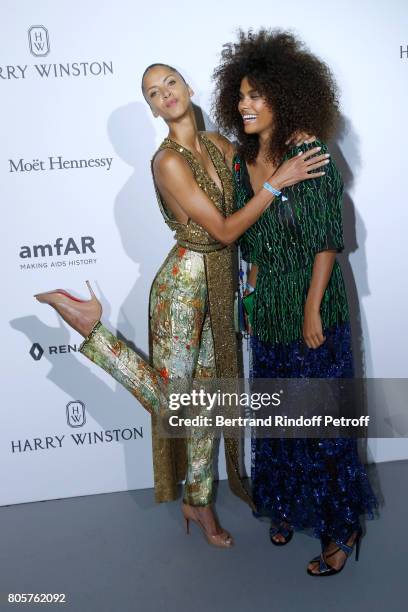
36,351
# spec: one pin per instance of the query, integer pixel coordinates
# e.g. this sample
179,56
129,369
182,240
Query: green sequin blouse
283,244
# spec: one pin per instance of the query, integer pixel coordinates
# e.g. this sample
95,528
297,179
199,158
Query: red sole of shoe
61,292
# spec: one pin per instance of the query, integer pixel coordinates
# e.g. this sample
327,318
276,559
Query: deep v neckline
203,139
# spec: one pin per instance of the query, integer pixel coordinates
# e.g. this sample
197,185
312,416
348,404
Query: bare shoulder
172,171
167,160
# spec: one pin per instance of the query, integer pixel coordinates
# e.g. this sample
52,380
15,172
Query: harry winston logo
76,414
39,41
39,47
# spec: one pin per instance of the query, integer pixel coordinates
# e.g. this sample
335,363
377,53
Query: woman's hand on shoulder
299,168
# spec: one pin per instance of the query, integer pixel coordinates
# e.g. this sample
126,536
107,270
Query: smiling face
256,114
166,92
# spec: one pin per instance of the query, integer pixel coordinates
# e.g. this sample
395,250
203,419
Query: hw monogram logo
76,414
39,41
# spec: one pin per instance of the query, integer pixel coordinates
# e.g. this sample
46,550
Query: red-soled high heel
81,315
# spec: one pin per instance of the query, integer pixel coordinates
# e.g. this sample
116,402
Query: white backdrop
91,108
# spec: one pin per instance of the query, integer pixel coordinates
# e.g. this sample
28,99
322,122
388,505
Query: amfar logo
44,250
37,351
60,248
39,46
76,414
39,41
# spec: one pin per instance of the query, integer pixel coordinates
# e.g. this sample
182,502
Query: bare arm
176,182
312,324
180,190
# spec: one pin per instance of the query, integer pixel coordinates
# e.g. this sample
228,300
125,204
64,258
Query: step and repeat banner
78,203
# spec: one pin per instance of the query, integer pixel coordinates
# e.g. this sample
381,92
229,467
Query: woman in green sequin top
269,86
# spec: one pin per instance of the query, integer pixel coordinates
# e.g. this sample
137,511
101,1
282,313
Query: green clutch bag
248,302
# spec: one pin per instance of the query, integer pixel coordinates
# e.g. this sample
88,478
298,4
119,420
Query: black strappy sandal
327,570
286,532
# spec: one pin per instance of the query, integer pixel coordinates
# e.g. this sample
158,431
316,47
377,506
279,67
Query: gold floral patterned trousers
182,349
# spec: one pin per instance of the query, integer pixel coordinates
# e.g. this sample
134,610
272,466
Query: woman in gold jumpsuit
191,303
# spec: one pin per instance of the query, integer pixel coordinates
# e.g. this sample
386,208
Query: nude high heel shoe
81,315
220,540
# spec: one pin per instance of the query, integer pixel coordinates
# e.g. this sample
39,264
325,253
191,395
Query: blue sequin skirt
315,484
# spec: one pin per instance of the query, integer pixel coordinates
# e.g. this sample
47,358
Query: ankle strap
341,546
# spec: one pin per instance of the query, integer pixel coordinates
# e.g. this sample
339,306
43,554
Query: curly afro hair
298,87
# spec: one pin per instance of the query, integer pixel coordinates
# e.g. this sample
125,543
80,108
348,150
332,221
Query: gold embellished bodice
190,234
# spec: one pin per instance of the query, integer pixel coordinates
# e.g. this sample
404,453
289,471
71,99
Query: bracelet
249,288
275,192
